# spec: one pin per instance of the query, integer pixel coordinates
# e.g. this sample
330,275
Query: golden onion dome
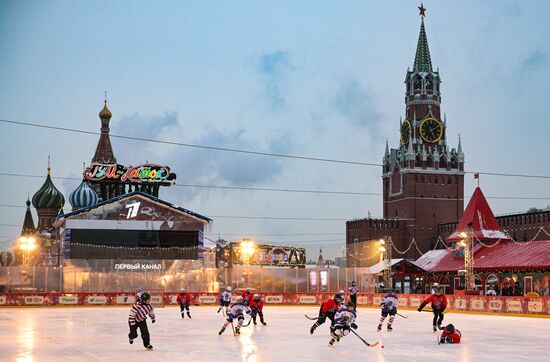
105,112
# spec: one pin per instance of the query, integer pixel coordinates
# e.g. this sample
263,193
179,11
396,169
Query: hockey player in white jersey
236,311
389,307
344,320
225,298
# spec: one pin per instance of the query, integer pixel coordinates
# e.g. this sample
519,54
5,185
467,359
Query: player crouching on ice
344,320
138,319
450,335
439,303
225,298
184,300
256,304
236,311
328,309
389,307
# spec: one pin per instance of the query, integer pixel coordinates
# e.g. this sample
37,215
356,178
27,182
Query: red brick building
423,178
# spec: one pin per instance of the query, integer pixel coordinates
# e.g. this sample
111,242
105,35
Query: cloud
536,60
273,69
355,104
194,165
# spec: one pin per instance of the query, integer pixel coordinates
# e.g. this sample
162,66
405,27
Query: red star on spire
422,10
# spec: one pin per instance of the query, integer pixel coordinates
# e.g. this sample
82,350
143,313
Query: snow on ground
100,334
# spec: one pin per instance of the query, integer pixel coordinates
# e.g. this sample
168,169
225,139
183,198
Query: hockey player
138,319
353,293
439,303
184,301
328,309
450,335
225,298
236,311
247,296
257,305
344,320
389,307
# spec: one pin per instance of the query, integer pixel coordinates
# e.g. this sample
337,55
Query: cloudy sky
307,78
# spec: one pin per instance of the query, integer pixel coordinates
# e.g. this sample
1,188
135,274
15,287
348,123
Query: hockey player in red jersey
184,300
439,303
247,296
257,306
450,335
138,319
328,309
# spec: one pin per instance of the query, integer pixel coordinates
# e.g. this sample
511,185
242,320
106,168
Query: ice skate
221,331
312,329
189,315
149,347
379,329
131,341
435,328
264,323
331,342
390,328
182,315
237,331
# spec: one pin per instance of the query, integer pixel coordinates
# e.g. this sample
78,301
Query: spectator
418,289
491,292
518,290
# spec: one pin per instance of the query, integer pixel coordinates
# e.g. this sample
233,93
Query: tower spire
422,60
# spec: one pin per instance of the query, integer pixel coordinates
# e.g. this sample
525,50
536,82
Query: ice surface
100,334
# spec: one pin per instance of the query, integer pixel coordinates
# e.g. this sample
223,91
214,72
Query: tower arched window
430,162
417,82
418,161
429,85
454,162
443,162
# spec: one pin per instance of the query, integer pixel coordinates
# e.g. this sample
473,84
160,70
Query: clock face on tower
406,131
431,130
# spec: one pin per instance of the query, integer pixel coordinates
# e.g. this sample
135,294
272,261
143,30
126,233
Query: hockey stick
233,328
438,340
365,342
312,318
401,315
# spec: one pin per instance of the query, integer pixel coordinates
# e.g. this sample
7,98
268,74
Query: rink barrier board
513,305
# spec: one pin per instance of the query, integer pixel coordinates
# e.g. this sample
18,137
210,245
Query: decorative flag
476,175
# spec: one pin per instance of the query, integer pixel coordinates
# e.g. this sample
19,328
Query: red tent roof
478,214
505,255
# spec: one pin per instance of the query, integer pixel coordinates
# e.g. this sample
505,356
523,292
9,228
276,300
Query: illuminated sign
148,173
268,255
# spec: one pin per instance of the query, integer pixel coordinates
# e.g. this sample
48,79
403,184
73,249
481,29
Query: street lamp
386,255
466,243
28,244
248,247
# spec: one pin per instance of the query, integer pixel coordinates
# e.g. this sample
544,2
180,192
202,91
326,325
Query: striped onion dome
83,196
48,196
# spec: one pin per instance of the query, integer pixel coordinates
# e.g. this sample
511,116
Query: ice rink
100,334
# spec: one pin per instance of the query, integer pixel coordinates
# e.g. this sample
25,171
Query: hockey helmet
350,306
438,290
353,283
256,297
338,298
228,288
449,328
182,290
240,300
145,297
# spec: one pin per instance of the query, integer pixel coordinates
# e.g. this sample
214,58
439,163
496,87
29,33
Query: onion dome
48,196
83,196
105,112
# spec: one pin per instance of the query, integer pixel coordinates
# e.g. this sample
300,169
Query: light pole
27,244
466,243
385,249
248,247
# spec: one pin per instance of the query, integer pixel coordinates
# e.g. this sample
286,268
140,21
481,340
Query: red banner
468,303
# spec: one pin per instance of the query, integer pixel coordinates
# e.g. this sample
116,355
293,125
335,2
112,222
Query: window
454,162
430,162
